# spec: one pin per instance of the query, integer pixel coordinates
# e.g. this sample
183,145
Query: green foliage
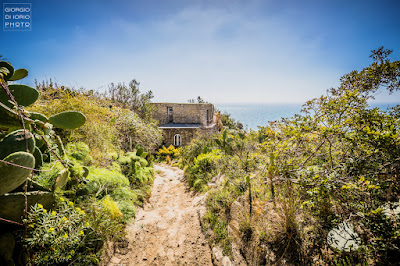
64,234
334,165
230,123
60,236
224,141
131,97
13,176
203,168
79,151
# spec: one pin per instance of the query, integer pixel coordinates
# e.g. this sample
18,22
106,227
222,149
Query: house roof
172,125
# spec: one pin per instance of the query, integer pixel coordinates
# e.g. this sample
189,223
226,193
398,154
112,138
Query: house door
170,115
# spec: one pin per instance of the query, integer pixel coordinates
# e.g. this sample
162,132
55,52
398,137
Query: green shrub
60,236
203,168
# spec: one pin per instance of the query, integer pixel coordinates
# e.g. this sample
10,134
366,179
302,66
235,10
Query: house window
177,140
170,113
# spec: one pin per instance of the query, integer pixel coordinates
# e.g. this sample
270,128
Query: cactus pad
24,95
6,70
13,204
15,141
62,178
68,119
38,158
19,74
13,176
38,116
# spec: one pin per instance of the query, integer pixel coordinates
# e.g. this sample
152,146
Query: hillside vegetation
70,180
319,188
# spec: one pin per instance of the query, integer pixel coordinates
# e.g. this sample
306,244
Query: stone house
181,122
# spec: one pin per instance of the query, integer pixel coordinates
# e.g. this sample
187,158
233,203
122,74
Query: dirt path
167,231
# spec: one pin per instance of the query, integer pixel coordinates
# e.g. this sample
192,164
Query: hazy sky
223,50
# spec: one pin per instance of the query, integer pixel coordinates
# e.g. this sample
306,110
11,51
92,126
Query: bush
203,168
60,236
171,151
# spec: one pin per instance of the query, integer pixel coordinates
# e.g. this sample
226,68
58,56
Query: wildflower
32,225
87,224
53,213
65,235
78,209
62,199
72,252
64,218
70,203
40,206
44,211
81,233
51,229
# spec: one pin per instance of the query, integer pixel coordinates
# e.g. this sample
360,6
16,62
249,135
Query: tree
131,97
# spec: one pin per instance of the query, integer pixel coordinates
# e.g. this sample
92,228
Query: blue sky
223,50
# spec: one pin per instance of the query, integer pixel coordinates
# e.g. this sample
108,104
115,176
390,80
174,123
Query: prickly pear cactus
23,150
18,140
68,119
12,175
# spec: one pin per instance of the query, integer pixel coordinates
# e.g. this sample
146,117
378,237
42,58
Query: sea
254,115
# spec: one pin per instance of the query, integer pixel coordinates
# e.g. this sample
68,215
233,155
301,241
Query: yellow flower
40,206
362,178
51,229
65,235
32,225
44,211
62,199
87,224
81,233
65,218
53,213
78,209
70,203
72,252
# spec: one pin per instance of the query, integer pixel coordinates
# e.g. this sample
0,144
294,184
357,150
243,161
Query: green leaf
19,74
24,95
68,119
218,142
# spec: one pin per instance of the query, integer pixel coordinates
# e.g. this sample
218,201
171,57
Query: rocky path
167,231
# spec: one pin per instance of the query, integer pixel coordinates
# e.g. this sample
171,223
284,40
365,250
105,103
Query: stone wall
187,134
184,113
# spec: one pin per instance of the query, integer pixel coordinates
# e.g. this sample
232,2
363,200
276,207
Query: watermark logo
17,16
